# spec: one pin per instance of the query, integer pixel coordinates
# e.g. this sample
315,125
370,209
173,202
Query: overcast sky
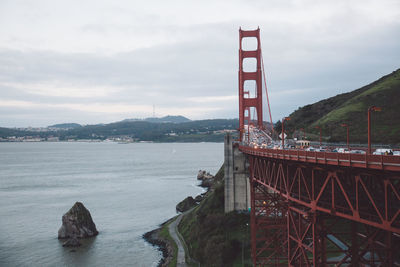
98,61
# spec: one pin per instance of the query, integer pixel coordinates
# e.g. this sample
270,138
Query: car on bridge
383,151
343,150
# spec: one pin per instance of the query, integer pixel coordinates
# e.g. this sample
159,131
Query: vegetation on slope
351,108
213,237
164,234
191,131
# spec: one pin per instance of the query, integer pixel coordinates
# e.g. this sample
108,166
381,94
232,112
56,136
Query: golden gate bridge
313,208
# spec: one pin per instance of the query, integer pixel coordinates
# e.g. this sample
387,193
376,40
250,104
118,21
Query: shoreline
154,238
168,245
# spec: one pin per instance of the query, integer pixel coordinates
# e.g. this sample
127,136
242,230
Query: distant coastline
127,131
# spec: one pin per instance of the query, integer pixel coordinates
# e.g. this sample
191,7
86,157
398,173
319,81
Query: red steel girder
367,196
268,227
335,216
378,162
317,239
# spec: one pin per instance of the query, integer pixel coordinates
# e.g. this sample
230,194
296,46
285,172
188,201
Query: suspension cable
266,89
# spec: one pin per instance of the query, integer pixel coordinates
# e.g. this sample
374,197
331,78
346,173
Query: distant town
167,129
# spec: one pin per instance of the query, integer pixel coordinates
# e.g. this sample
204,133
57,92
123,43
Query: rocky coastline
154,238
165,246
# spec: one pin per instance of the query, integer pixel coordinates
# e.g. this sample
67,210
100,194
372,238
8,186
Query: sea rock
198,198
77,223
72,242
207,183
186,204
203,175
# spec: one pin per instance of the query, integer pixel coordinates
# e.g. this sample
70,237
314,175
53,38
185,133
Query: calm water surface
128,188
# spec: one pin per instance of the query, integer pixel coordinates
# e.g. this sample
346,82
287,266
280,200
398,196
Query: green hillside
351,108
216,238
191,131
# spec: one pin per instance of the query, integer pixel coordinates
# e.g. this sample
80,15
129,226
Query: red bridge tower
247,101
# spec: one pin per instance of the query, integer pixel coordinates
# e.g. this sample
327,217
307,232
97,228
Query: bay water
128,188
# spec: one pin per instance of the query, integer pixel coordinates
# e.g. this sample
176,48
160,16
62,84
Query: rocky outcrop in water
185,204
203,175
206,178
77,223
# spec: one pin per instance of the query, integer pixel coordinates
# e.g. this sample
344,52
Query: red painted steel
255,101
380,190
318,208
323,204
268,224
378,162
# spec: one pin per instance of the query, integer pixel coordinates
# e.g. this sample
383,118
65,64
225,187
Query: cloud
118,59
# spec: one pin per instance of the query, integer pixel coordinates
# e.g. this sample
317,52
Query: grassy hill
215,238
351,108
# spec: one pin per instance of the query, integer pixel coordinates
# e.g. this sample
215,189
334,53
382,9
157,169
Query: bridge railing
381,162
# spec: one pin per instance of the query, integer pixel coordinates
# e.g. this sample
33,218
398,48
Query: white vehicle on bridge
383,151
343,150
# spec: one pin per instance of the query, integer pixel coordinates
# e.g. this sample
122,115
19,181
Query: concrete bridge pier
237,183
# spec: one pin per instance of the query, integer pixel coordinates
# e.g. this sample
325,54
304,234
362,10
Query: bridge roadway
294,190
379,162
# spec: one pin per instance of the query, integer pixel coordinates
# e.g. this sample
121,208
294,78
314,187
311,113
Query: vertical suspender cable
266,90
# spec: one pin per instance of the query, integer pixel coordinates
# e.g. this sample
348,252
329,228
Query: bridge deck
379,162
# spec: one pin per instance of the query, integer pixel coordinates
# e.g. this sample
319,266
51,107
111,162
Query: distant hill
171,119
139,130
351,108
192,131
166,119
65,126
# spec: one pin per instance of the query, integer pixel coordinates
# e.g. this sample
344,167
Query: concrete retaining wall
237,186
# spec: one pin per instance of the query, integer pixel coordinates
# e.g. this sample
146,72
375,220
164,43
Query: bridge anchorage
314,208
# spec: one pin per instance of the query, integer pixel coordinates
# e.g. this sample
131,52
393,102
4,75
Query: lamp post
243,243
283,130
320,132
347,126
372,108
304,133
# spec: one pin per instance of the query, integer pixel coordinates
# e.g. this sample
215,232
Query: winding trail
173,231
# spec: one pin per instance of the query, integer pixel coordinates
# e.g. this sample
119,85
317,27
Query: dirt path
173,231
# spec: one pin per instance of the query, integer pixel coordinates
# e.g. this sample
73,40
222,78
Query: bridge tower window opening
249,64
247,116
249,44
253,114
250,89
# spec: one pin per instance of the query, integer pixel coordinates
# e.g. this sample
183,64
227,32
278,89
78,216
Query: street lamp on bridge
347,126
372,108
320,132
283,130
304,133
